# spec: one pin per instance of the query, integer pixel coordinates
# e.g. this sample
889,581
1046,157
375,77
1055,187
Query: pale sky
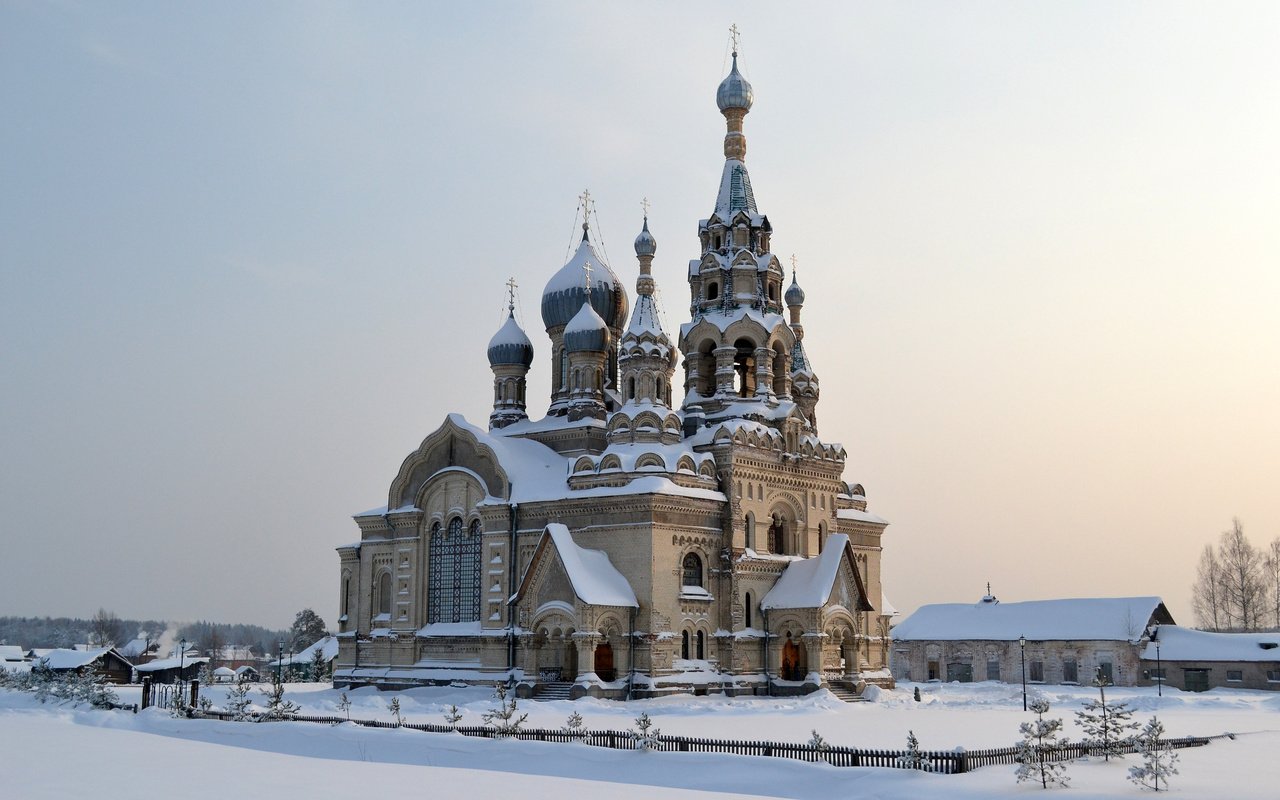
251,255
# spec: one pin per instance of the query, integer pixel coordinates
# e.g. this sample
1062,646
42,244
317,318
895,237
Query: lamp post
182,654
1022,643
280,661
1159,668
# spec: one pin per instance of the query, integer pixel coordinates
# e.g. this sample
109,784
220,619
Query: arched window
751,526
744,367
777,536
684,644
384,593
713,290
631,388
346,595
564,369
692,570
453,580
702,644
747,603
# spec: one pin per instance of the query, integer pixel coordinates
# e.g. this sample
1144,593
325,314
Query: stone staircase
553,691
844,691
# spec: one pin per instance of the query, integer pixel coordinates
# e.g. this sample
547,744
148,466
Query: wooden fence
947,762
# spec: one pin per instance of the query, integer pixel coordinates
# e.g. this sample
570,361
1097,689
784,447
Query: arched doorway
604,662
793,661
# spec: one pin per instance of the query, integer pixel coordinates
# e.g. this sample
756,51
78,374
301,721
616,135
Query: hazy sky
251,255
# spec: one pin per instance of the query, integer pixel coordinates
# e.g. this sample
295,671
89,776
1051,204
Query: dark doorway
1195,680
604,662
792,670
960,672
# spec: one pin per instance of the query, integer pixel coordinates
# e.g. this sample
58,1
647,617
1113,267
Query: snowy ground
150,753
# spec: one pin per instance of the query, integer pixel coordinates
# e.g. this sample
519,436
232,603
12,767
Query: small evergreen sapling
238,700
1040,747
645,735
913,758
452,716
818,745
573,724
1158,758
1108,727
344,705
504,717
178,702
319,667
394,708
277,707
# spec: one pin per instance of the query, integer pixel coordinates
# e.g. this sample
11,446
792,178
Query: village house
1196,661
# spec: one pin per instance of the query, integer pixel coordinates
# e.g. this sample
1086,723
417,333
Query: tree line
1237,585
106,628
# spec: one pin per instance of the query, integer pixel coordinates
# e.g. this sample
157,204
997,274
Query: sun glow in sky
251,255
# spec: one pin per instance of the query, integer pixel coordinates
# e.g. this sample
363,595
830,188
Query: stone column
764,372
724,370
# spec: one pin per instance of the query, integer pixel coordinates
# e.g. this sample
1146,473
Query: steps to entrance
553,691
846,693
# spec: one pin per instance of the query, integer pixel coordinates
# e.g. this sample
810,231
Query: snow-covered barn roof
61,658
807,583
170,663
1185,644
596,581
12,653
328,647
1099,618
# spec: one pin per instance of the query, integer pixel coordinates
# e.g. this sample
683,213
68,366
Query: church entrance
604,662
793,666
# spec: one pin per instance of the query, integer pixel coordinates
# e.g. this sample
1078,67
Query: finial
585,200
793,266
511,295
734,35
645,205
988,588
586,272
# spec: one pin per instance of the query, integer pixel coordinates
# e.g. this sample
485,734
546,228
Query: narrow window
993,669
1035,671
702,638
751,527
1069,671
346,595
684,644
713,290
384,593
748,614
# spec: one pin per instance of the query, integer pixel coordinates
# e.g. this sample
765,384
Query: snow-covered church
622,546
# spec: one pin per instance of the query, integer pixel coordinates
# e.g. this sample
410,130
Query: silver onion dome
587,332
794,295
510,346
565,292
735,91
646,245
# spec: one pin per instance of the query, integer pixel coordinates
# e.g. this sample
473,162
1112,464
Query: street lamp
1022,643
280,661
1159,667
182,652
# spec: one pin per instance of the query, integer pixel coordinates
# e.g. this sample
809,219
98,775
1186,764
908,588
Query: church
623,546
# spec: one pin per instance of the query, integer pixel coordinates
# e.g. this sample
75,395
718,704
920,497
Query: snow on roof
595,580
12,652
62,658
806,583
1100,618
722,320
328,646
860,516
170,663
136,647
887,608
223,671
1185,644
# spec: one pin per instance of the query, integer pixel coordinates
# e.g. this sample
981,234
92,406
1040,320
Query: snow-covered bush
818,745
344,705
178,702
452,716
645,735
1158,758
913,758
1040,748
505,718
573,724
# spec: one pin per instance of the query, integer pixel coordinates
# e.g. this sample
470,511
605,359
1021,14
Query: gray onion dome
734,91
794,295
587,332
565,293
509,346
645,243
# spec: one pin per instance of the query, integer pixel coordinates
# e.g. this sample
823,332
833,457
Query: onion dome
565,292
587,332
734,91
794,295
509,346
645,243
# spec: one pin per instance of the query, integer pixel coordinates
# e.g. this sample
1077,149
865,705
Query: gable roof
185,662
1098,618
1185,644
328,646
12,652
62,658
807,583
595,580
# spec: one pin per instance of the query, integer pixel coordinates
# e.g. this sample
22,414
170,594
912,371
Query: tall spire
735,97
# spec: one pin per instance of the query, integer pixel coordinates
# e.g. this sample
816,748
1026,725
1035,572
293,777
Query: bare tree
1242,578
1206,594
213,644
105,629
1271,564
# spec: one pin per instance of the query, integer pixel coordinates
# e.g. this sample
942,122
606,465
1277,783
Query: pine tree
503,718
42,680
1106,727
452,716
645,735
238,699
277,707
819,745
206,674
178,702
1158,758
573,724
344,705
319,667
913,758
394,708
1040,747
